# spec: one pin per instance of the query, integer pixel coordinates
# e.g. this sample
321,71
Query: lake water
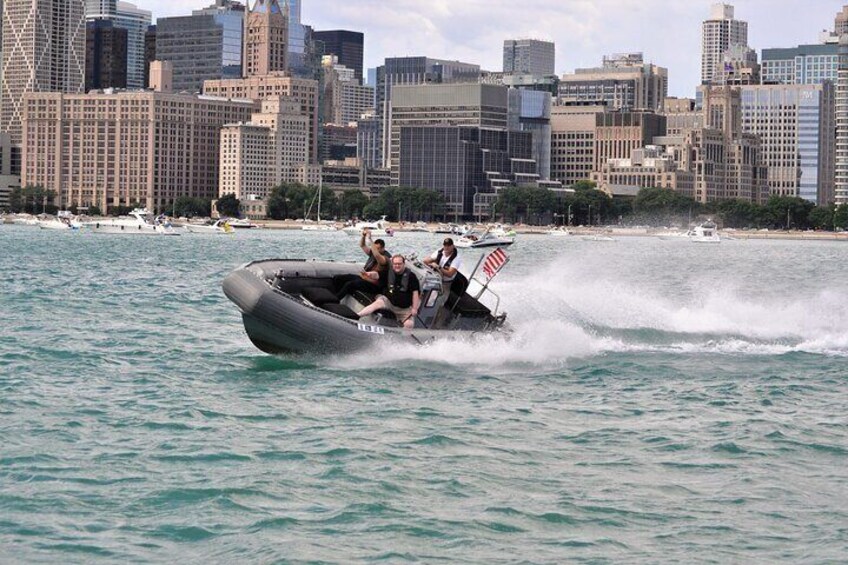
659,402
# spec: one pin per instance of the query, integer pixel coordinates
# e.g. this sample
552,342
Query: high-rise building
530,110
338,142
43,51
10,167
467,104
617,134
344,98
257,88
116,149
105,55
149,52
347,46
266,39
298,41
258,155
840,24
413,71
529,56
805,64
623,82
841,175
573,142
368,137
719,33
135,21
460,162
207,45
796,125
738,67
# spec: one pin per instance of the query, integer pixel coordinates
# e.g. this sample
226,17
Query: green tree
821,217
840,217
189,207
228,206
289,201
788,212
33,199
663,205
352,203
739,213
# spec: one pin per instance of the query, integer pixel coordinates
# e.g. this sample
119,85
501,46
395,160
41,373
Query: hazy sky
667,31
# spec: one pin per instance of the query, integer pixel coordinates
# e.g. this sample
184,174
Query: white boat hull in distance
558,233
139,222
214,229
58,225
374,232
318,227
487,241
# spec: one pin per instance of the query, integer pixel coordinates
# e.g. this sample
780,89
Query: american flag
494,263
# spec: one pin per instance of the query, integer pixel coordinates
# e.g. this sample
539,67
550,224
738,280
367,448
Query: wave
564,312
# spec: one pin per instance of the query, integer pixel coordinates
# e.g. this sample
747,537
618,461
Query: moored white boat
561,231
221,226
243,224
474,240
139,222
380,228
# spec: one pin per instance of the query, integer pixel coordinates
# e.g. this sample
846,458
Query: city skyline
583,31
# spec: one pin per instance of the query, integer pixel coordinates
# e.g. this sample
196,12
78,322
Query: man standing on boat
447,261
372,279
402,297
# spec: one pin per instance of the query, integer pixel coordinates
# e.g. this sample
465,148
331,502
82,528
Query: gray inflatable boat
290,306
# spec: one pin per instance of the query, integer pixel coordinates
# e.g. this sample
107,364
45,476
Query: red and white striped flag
494,263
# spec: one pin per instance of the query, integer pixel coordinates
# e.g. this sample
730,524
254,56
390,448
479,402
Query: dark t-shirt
395,293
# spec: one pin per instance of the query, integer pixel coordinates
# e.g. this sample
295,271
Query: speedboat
25,221
221,226
139,222
419,227
598,237
290,306
705,233
380,228
475,239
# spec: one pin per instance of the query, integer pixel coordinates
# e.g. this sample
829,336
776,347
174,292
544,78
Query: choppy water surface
659,402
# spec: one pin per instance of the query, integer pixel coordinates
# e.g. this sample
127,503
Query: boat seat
319,296
296,285
340,310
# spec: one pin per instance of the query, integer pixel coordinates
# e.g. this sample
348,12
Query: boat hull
279,323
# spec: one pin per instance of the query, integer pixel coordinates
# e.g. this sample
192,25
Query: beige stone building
258,88
647,167
268,150
617,134
43,51
266,39
116,149
573,142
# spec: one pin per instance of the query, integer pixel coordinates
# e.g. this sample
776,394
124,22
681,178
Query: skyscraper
266,42
841,184
43,51
126,16
348,46
204,46
529,56
105,55
623,82
720,32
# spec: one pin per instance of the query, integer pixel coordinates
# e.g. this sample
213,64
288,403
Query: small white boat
139,222
474,240
379,228
318,227
63,221
419,227
25,221
561,231
705,233
221,226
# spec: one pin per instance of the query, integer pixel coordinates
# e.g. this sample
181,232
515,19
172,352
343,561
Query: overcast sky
667,31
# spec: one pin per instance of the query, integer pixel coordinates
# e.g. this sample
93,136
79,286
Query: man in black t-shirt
403,294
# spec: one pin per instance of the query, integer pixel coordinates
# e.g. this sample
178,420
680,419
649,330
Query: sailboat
317,226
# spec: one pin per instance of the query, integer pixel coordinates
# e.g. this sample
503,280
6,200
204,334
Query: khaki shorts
401,313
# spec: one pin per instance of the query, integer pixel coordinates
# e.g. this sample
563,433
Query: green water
659,402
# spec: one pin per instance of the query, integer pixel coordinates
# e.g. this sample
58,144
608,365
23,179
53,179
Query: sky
668,32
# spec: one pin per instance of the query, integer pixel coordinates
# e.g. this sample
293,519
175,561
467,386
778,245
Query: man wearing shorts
403,294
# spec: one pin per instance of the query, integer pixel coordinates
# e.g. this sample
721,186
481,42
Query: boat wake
563,313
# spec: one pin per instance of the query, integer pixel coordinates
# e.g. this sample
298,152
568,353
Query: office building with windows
105,55
347,46
623,82
529,56
43,51
719,33
204,46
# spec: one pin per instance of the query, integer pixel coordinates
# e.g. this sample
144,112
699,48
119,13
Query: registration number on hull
371,329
